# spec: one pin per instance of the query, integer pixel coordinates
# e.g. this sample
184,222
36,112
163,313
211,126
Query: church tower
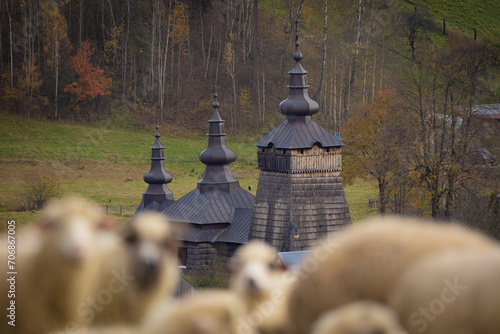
300,196
157,195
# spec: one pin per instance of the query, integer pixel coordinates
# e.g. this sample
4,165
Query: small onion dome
298,102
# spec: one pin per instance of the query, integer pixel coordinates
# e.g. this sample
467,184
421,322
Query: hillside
95,162
163,56
465,15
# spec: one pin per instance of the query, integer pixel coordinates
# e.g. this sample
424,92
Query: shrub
39,188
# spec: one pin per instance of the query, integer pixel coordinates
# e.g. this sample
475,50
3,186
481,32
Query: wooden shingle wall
310,204
316,159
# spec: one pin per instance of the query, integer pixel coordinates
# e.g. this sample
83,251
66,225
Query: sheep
115,329
139,270
361,317
365,262
56,266
206,312
261,281
455,292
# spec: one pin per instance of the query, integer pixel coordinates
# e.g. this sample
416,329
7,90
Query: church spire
217,156
157,177
298,102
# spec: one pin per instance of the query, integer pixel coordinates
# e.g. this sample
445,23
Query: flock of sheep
78,273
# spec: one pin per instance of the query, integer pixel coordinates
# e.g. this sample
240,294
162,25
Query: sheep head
69,228
257,270
151,248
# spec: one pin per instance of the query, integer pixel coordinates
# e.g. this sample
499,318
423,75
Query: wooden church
299,199
216,215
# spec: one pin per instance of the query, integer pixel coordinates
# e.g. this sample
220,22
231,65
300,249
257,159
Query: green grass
358,193
84,160
465,15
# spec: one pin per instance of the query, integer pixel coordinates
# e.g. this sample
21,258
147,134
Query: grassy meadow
95,162
465,15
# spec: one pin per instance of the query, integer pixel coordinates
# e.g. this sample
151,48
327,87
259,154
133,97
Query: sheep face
257,269
151,248
69,227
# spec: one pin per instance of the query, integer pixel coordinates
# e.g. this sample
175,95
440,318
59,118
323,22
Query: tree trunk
374,76
56,68
255,45
209,49
81,21
323,64
263,97
354,64
434,205
364,78
382,185
11,46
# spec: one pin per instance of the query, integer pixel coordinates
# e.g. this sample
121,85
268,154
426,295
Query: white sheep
138,271
366,261
56,267
263,284
455,292
361,317
113,329
206,312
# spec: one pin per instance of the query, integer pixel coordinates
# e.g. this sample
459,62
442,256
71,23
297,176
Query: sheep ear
107,223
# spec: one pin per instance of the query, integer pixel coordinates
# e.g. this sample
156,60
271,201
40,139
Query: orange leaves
91,80
373,138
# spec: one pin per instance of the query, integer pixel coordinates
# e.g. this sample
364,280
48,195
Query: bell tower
300,196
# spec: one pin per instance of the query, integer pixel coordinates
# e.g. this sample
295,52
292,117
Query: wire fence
120,210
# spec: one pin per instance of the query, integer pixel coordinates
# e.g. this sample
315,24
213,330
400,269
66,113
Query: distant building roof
487,110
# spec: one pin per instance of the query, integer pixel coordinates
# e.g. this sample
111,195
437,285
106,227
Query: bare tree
323,63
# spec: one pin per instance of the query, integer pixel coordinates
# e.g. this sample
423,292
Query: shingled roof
218,210
235,232
212,207
298,131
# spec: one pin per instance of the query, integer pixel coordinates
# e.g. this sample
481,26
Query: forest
398,80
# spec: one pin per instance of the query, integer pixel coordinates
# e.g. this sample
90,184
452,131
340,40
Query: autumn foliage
375,142
91,81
